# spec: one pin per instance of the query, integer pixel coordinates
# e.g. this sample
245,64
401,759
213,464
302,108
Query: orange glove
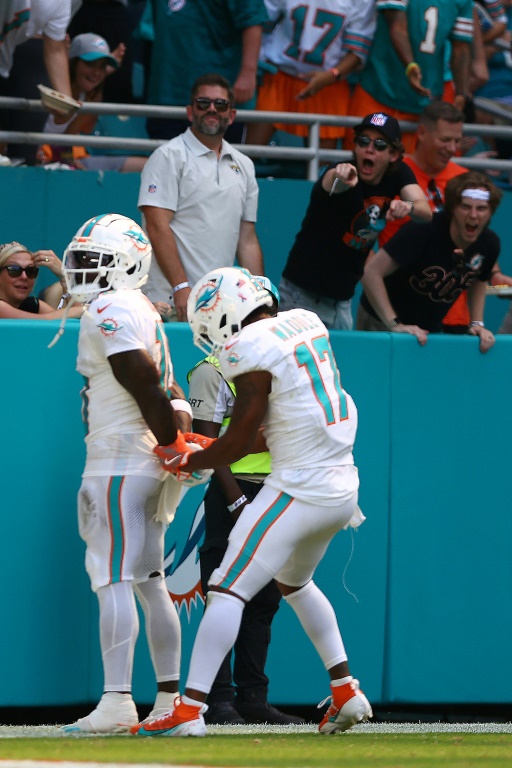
202,440
173,457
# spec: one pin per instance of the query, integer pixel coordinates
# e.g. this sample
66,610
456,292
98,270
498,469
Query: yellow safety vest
253,463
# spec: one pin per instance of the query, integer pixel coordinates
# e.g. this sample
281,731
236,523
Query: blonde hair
9,249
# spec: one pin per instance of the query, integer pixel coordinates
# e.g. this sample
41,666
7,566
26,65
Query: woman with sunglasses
18,274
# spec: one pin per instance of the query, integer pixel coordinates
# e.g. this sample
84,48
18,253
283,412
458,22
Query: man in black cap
349,205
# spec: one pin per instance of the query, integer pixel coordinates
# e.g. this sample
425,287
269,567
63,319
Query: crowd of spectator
336,57
394,58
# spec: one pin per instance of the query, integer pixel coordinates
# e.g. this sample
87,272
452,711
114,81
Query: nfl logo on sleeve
152,189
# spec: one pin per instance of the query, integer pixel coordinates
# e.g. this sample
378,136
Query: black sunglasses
203,103
365,141
16,270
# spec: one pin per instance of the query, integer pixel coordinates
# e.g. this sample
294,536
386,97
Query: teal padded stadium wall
44,209
430,574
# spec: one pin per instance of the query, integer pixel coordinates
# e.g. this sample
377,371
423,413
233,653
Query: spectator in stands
90,62
411,283
115,21
192,38
348,207
21,20
199,198
18,272
405,68
32,50
498,89
439,137
312,48
492,19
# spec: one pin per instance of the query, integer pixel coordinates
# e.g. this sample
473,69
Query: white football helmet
108,252
269,286
219,302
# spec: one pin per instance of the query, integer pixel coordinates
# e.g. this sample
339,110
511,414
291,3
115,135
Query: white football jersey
318,34
311,422
118,439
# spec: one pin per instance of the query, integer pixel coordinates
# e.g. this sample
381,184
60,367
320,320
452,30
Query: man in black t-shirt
349,206
411,283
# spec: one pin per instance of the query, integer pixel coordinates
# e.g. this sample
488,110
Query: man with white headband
412,282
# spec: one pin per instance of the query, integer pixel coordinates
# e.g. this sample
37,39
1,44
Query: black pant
251,646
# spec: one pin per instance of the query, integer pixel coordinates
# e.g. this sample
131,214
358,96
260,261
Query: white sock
216,635
191,702
318,620
341,681
163,628
115,698
119,627
164,700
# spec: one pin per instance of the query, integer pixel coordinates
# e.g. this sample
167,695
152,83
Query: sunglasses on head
16,270
365,141
203,103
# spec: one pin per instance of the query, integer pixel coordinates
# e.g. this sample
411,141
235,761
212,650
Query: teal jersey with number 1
431,26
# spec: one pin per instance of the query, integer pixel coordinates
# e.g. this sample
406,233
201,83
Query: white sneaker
115,713
340,717
185,720
164,704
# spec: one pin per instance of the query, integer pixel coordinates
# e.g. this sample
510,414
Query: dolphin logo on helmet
219,303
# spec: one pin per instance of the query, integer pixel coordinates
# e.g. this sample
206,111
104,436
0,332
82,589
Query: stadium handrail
312,153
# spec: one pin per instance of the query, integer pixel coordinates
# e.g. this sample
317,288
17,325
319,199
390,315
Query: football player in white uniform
124,358
286,378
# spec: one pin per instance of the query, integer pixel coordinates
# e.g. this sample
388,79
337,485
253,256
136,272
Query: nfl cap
91,47
386,124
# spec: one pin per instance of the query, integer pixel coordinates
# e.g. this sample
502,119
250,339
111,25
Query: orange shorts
278,93
361,104
449,91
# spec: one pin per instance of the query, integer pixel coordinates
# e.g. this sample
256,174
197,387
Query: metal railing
311,153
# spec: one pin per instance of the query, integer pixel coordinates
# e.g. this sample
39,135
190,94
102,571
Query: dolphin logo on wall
181,563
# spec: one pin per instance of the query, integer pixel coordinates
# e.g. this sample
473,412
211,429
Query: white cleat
184,720
115,713
356,709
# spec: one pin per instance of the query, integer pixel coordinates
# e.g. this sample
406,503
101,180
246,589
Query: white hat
90,47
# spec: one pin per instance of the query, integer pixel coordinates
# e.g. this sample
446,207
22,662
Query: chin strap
60,332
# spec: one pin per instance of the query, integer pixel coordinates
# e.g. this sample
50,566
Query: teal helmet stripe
254,539
92,223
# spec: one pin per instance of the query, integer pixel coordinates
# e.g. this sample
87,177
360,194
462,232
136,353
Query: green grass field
294,750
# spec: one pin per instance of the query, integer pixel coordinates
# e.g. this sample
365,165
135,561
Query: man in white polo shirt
199,197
